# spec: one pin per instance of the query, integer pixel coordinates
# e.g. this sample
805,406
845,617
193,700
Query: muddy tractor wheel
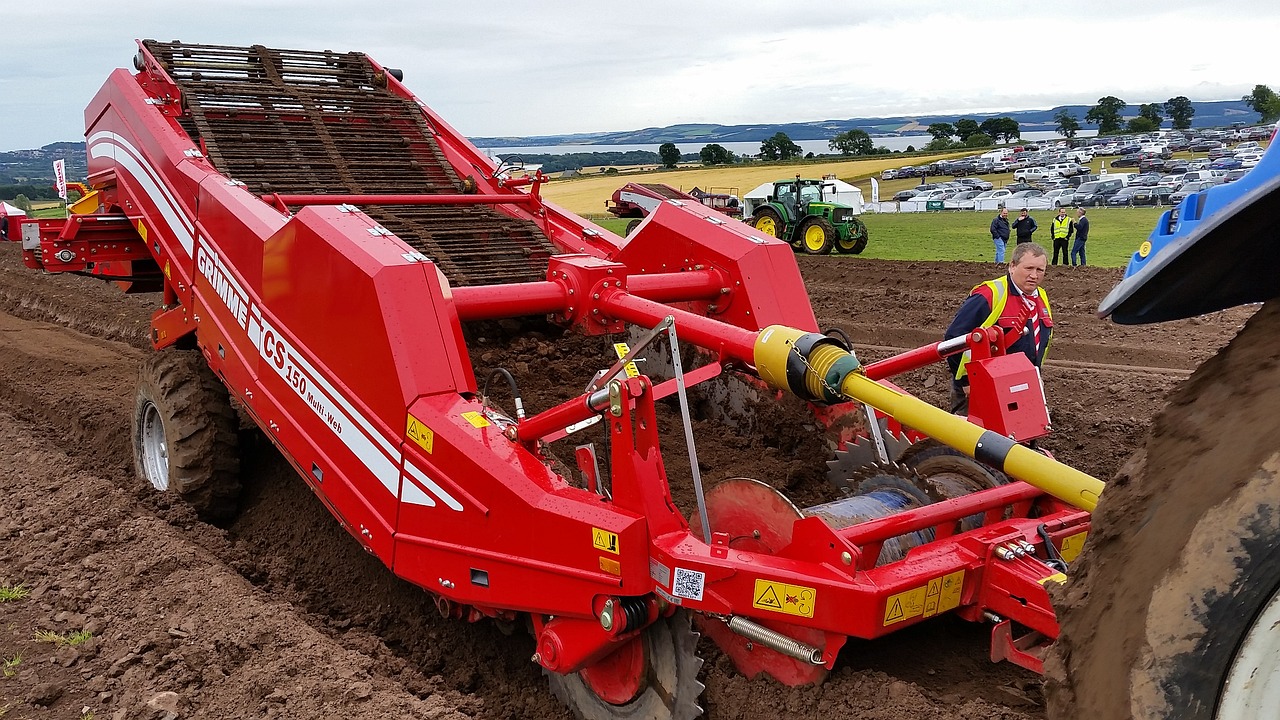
1174,607
185,433
767,221
817,236
857,240
654,677
631,226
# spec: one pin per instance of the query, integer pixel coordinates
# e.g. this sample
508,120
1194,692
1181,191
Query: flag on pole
875,191
60,173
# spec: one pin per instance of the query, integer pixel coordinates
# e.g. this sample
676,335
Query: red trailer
637,200
321,237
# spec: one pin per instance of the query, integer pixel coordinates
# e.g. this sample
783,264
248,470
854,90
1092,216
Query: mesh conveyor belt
290,121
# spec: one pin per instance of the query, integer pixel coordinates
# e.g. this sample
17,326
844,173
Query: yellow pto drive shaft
816,368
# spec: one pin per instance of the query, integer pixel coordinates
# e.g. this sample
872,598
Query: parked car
1188,189
906,194
1176,166
1096,193
1226,163
1248,160
889,174
1219,153
961,200
1033,173
1027,194
1250,146
1204,145
1130,160
1122,197
1148,179
1151,165
1062,197
977,183
1000,194
1145,195
1234,175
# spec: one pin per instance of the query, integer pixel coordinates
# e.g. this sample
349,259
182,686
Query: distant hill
1208,114
35,167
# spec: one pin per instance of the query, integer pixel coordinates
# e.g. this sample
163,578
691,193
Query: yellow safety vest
1061,227
999,298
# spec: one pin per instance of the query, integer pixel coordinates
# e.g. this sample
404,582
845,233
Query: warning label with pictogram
937,596
604,540
783,598
419,433
622,349
476,419
1072,545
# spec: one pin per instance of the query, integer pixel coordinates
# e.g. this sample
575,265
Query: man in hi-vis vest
1009,301
1062,228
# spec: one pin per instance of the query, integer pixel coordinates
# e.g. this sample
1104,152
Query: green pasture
1114,234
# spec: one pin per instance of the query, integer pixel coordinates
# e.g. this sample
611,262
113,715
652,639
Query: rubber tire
201,431
828,235
673,636
771,214
1184,553
631,226
857,241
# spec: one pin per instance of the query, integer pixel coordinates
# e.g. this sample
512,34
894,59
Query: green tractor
815,216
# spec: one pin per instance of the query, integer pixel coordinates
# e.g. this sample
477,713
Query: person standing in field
1081,229
1061,229
1024,226
1013,302
1000,233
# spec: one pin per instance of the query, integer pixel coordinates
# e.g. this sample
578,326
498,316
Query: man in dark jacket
1082,235
1000,233
1024,226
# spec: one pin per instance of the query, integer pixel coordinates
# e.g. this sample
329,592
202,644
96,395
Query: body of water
817,147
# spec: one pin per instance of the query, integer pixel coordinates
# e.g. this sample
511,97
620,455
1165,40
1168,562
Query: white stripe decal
421,477
413,495
176,221
128,147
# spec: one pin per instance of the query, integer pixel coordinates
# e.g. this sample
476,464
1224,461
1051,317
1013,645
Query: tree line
1106,114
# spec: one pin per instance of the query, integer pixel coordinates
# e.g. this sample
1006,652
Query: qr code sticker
688,584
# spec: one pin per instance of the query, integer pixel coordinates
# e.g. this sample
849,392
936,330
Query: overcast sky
535,67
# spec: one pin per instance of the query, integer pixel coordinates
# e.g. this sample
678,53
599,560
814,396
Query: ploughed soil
138,609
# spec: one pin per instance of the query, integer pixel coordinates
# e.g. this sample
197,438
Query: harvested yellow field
588,194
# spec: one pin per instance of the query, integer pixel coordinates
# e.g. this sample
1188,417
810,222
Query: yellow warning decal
611,566
938,596
1072,545
604,540
1056,577
783,598
476,419
142,231
419,432
622,349
167,272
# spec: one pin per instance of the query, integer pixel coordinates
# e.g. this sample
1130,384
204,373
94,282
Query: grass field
1114,234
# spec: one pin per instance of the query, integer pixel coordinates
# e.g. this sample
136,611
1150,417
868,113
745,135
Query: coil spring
635,611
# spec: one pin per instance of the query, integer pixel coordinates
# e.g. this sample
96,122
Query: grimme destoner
321,238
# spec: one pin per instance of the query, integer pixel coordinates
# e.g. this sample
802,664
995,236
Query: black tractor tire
857,241
1171,608
771,221
816,235
186,434
631,226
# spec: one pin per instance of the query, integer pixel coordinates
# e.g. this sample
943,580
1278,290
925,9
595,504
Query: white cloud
526,68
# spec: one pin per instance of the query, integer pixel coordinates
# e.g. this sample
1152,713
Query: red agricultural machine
637,200
322,240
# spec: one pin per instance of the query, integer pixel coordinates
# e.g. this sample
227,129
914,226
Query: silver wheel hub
154,449
1252,689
